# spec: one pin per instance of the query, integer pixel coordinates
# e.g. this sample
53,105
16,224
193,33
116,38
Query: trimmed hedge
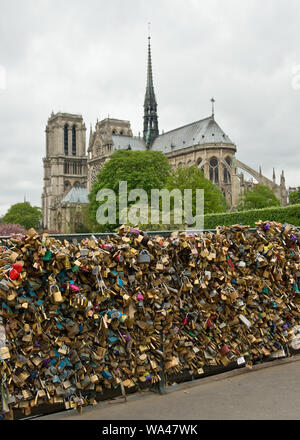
288,214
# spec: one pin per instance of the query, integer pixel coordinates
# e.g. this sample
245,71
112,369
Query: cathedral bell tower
65,163
150,131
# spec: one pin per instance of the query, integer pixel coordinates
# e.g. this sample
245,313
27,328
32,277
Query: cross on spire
212,106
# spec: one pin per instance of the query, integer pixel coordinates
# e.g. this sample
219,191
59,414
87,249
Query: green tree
259,197
193,178
294,197
140,169
24,214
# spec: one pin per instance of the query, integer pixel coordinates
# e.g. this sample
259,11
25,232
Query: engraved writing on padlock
144,257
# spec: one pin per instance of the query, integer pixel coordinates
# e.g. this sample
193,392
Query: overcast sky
89,57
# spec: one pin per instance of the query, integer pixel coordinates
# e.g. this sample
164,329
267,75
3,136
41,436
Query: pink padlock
140,297
73,287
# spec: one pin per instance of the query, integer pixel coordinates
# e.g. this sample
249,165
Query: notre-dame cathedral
70,170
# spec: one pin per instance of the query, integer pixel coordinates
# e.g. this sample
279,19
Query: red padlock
224,350
209,323
18,267
186,320
119,257
14,274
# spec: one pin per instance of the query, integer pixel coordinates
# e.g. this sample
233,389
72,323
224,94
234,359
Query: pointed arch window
199,160
228,160
66,139
214,170
227,176
74,140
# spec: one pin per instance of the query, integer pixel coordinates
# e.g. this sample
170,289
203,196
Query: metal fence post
161,383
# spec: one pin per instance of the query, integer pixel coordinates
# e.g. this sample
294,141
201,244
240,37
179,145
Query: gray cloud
90,58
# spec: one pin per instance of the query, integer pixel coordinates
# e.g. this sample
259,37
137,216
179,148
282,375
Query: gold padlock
56,296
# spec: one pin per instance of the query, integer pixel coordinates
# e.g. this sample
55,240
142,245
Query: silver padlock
84,252
3,285
131,278
95,270
144,257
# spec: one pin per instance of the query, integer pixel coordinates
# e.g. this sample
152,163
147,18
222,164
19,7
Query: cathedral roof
76,195
205,131
124,142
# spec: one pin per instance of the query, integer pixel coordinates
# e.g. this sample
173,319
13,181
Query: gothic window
214,170
76,185
227,178
74,140
121,133
66,167
228,160
199,160
66,139
114,132
226,175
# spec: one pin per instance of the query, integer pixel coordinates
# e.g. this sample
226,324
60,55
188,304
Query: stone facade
65,164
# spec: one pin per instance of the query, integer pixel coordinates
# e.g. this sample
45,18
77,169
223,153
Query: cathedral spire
212,107
150,105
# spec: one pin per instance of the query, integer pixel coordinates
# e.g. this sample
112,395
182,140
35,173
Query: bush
294,197
288,214
259,197
10,228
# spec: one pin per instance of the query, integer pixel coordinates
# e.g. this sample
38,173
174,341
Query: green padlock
47,256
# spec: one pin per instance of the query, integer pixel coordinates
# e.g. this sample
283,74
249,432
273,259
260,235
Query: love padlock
224,350
144,257
18,267
56,296
14,274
